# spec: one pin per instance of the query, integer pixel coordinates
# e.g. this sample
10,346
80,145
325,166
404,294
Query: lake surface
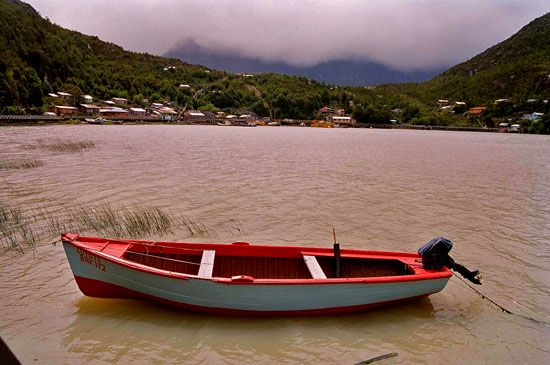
380,189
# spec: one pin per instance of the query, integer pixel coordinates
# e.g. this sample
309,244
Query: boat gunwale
419,274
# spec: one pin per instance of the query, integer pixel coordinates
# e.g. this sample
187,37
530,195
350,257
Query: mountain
38,57
336,72
518,67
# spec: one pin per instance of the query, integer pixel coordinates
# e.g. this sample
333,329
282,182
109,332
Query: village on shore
117,110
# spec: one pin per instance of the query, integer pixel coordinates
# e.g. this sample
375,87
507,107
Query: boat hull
100,276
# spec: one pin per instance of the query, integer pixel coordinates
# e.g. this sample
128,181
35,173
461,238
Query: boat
247,279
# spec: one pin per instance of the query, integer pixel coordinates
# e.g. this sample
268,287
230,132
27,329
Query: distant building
114,113
326,110
53,95
65,110
88,98
442,102
248,117
120,100
89,108
156,105
533,116
504,127
476,111
166,114
195,116
63,94
137,111
342,120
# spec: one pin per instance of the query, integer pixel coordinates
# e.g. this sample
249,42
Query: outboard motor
435,255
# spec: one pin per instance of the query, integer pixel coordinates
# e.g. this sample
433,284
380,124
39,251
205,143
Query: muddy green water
380,189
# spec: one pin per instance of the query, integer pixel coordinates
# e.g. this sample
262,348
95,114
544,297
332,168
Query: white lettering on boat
90,259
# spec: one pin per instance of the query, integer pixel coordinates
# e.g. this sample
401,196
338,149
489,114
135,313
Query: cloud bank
403,34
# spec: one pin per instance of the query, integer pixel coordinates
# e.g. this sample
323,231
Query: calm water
380,189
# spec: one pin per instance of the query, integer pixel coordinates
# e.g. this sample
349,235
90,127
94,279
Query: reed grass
22,164
61,146
135,221
15,229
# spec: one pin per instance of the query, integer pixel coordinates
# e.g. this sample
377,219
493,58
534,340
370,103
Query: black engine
435,255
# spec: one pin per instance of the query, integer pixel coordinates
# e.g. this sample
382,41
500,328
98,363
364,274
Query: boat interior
208,263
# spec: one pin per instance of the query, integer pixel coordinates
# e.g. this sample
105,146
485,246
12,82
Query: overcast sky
404,34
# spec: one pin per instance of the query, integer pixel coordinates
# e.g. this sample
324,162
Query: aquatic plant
15,229
20,164
134,221
61,146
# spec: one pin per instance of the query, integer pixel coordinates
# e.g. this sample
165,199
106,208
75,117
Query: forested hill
516,68
39,57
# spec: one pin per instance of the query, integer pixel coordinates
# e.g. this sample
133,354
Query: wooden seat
314,268
207,264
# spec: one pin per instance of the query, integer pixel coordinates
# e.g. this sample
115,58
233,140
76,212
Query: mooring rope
502,308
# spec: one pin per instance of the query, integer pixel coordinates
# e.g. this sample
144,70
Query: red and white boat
245,279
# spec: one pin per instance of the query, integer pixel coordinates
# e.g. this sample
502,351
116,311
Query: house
65,110
156,105
63,94
504,127
342,120
533,116
477,111
248,117
88,98
209,115
137,111
326,109
460,103
120,101
113,113
195,116
166,114
89,108
442,102
53,95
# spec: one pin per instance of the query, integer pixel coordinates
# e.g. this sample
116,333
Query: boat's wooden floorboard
270,268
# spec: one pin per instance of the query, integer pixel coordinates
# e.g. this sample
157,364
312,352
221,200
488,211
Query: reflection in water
380,189
199,338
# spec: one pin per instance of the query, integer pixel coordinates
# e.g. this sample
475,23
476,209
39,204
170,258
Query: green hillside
517,68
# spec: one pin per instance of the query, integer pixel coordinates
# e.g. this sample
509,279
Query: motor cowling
435,254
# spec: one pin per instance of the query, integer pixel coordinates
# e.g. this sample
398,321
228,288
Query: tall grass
135,221
61,146
15,229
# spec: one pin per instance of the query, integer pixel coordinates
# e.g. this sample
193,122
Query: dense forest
39,57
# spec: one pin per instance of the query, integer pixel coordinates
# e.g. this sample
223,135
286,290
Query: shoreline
35,122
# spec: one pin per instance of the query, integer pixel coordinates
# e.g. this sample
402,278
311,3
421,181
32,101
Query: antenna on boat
336,255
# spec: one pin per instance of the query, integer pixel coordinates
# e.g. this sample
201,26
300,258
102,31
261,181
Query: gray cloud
404,34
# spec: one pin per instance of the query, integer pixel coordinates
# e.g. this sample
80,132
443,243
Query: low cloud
403,34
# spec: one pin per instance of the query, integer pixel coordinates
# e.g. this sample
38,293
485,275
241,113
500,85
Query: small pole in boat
336,255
